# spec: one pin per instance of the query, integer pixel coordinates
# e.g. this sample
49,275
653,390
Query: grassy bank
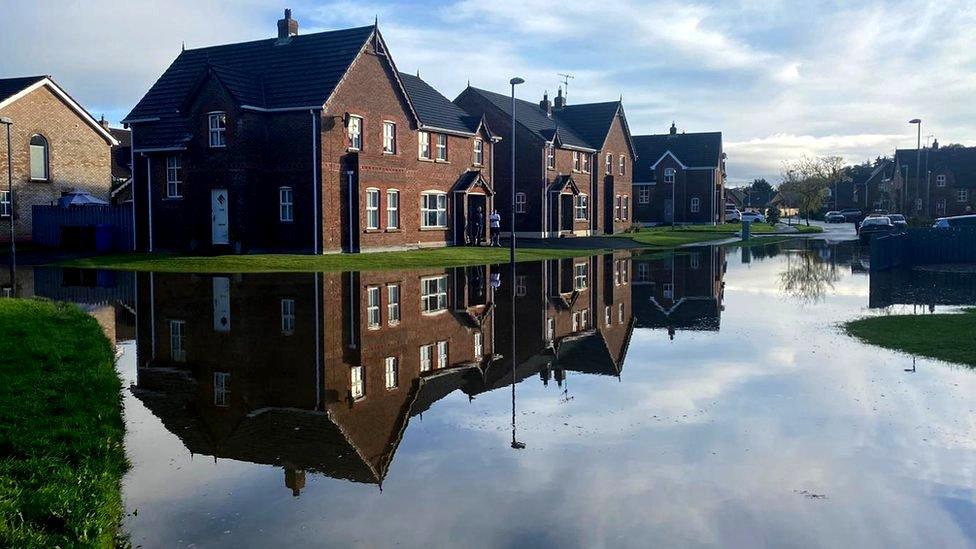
948,337
693,234
272,263
61,428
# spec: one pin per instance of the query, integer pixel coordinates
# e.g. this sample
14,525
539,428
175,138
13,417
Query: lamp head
516,81
5,121
915,121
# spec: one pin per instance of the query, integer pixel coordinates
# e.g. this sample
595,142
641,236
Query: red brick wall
79,157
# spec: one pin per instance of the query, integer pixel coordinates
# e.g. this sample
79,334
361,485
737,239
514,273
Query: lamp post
918,154
10,202
511,247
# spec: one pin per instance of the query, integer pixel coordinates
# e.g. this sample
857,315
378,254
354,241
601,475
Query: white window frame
40,159
174,176
389,137
644,194
286,205
669,175
620,313
940,180
625,213
287,316
217,129
423,146
5,204
668,290
426,357
695,204
520,287
357,385
581,208
221,389
433,294
616,207
391,366
576,321
586,162
438,209
479,152
622,165
520,203
608,164
585,319
550,157
581,273
695,260
392,304
372,209
442,351
479,345
550,328
374,317
577,162
962,195
940,205
643,272
177,349
392,209
354,131
440,147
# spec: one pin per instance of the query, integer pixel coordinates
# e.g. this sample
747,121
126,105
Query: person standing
495,227
477,227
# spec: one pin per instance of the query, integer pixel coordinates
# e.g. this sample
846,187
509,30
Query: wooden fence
924,247
110,227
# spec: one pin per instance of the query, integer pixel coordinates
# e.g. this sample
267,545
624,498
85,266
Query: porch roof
564,184
472,181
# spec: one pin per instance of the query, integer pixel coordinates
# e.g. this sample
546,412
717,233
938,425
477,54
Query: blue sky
780,79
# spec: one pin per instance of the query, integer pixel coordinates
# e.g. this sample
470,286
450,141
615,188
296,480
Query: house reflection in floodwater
681,291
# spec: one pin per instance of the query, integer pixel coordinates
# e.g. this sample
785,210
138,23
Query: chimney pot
545,104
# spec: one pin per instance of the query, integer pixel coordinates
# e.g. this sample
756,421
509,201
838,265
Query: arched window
38,157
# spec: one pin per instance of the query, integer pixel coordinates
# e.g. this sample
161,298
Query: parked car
875,226
753,217
835,217
851,214
733,215
955,221
898,221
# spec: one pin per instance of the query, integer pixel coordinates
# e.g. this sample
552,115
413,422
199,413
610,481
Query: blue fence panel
924,247
112,224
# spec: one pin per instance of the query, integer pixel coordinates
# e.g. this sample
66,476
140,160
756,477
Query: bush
772,215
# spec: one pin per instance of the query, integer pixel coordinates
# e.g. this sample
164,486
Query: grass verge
949,337
61,428
694,234
273,263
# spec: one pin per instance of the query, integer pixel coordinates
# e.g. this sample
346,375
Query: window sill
439,161
422,159
172,198
393,230
433,313
372,231
353,150
433,228
388,153
218,146
40,180
286,221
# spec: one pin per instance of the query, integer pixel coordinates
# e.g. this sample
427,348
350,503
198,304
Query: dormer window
355,131
479,152
217,124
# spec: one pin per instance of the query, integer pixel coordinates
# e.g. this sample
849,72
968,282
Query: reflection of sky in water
715,438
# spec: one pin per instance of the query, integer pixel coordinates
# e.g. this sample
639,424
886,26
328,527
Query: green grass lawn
61,428
948,337
692,234
271,263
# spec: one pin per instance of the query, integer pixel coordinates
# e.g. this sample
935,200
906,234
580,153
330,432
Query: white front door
220,234
221,304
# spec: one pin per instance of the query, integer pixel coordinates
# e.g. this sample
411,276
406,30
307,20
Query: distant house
574,163
680,177
57,148
937,181
735,198
121,163
311,143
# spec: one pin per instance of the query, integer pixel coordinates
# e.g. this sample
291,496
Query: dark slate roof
591,121
959,161
471,179
121,153
697,150
587,354
564,182
535,120
11,86
301,73
436,111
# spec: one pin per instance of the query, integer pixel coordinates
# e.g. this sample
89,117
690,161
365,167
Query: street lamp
918,155
511,247
10,201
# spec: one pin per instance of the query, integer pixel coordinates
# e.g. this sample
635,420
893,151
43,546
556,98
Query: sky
779,79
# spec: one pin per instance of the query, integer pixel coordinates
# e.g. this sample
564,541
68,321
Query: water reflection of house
573,314
309,372
681,291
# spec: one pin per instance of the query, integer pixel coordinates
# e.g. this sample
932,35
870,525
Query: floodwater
701,399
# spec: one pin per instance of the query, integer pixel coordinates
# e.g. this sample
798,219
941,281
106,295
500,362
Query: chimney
560,99
935,144
674,129
295,480
104,123
545,104
287,27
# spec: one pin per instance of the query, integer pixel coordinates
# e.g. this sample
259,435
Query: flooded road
701,399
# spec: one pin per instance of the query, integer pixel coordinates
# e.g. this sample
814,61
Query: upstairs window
669,175
286,205
644,195
940,180
608,165
355,131
392,372
550,157
287,316
580,272
623,164
423,145
616,207
373,317
479,348
393,304
625,214
174,177
426,352
580,208
441,354
39,158
177,352
217,123
389,138
221,388
5,204
577,162
695,205
357,388
433,294
479,152
442,147
586,162
962,195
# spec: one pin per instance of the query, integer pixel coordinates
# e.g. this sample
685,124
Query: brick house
57,148
573,162
943,184
682,292
312,143
680,178
311,372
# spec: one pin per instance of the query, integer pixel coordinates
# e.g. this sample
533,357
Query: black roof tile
959,161
11,86
533,118
694,150
435,110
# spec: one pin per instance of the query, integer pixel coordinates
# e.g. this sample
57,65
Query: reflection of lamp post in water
514,82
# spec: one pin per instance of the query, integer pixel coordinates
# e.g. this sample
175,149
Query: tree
808,180
760,191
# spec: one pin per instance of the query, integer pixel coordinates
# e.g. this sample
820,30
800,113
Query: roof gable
692,150
12,89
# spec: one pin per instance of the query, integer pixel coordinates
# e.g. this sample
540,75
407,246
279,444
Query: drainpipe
349,174
315,185
132,184
149,198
